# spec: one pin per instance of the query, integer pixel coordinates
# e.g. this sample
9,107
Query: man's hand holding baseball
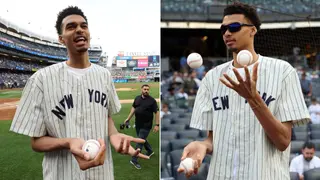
83,157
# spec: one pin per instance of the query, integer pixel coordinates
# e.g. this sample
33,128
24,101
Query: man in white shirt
314,110
306,161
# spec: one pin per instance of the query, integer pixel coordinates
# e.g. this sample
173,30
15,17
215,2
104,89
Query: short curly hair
245,9
71,10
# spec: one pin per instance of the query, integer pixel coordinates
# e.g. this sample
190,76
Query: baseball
187,164
92,147
194,60
244,57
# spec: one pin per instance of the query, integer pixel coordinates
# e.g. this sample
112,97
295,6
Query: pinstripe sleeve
202,112
29,116
114,103
291,105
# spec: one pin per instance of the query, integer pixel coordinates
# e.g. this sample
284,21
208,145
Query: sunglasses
233,27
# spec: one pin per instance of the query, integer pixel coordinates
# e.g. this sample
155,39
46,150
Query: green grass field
18,161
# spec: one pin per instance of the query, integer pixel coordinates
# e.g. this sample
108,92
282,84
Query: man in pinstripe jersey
248,111
67,103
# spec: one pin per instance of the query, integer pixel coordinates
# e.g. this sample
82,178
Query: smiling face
75,34
239,40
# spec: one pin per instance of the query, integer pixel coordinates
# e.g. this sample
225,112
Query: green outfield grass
11,94
18,161
136,90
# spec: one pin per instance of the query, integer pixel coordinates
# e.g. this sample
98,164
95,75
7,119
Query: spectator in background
192,83
314,110
183,61
175,78
170,97
181,94
306,85
164,110
200,72
306,161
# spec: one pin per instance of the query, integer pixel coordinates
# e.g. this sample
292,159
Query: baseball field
19,162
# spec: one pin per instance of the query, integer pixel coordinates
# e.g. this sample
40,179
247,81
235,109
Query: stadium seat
313,174
316,143
204,134
294,176
165,124
207,159
301,128
189,134
178,110
302,136
315,134
171,116
164,168
175,159
296,146
181,121
168,135
315,127
317,153
179,143
165,145
177,127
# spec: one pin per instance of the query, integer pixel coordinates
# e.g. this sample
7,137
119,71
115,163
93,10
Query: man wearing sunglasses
248,111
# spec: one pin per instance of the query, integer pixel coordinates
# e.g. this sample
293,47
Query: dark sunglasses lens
223,29
234,27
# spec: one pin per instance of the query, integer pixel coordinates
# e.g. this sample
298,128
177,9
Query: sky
116,25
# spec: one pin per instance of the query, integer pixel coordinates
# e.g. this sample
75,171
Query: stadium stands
211,10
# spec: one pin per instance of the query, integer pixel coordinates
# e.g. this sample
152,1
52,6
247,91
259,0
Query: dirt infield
8,107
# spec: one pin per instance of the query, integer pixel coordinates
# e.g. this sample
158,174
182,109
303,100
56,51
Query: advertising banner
121,63
132,63
140,57
153,61
142,63
123,57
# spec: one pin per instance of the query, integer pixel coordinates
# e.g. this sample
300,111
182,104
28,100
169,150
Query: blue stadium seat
204,134
181,121
175,159
296,146
179,143
189,134
164,169
294,176
302,136
169,135
316,143
313,174
314,127
301,128
177,127
165,145
315,134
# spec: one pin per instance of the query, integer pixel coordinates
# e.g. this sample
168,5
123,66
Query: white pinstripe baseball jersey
241,148
57,103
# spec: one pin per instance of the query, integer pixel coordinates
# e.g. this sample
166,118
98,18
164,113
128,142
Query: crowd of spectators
41,48
19,65
120,73
13,80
